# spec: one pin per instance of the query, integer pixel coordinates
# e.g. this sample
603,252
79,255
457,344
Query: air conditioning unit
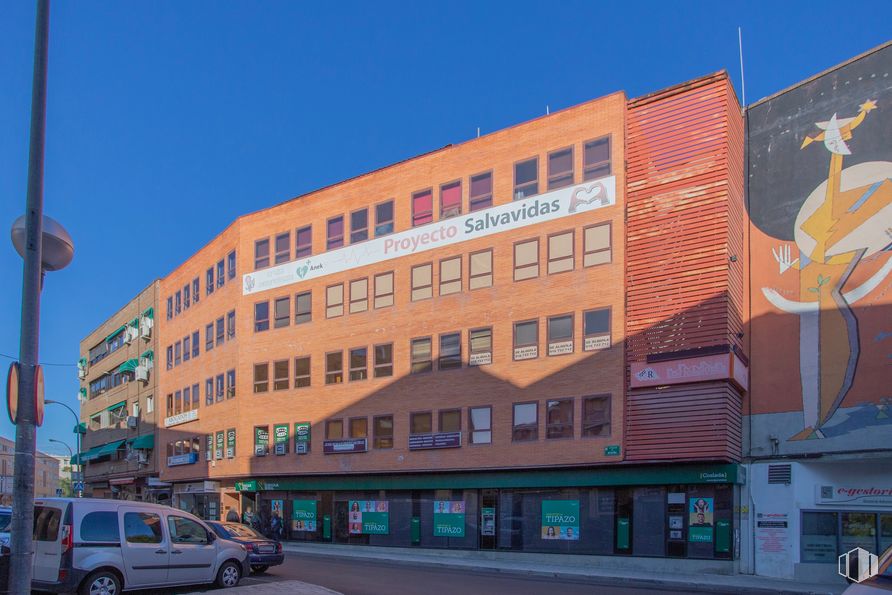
132,421
145,327
142,373
147,363
141,457
130,333
81,373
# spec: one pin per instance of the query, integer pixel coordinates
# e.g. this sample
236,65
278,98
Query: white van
93,546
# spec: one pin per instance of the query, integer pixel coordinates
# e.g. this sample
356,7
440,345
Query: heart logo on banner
595,192
302,271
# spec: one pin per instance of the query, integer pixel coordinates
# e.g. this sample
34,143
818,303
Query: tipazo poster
369,517
449,518
303,515
560,519
700,520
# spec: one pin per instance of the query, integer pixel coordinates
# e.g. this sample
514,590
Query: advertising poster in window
449,518
700,520
302,437
303,515
280,437
230,443
209,448
560,519
369,517
218,451
261,441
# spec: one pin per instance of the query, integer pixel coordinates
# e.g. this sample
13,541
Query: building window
450,200
334,429
421,423
170,307
422,282
526,178
384,218
450,275
220,331
195,396
283,247
219,387
187,348
334,301
261,378
359,427
596,159
209,337
178,402
282,312
596,416
209,391
230,265
560,335
480,346
526,340
384,290
334,367
526,260
303,241
359,363
177,353
169,357
450,420
560,168
359,295
280,375
150,403
221,273
261,254
596,329
359,226
480,192
422,207
230,324
383,360
526,422
559,418
209,281
230,384
179,302
820,536
421,355
335,237
261,317
480,425
597,245
186,297
195,345
303,304
450,352
302,372
480,270
383,431
560,252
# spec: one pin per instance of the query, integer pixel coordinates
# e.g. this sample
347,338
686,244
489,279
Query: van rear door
48,535
144,547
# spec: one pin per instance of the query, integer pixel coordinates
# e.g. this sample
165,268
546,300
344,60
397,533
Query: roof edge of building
694,83
156,280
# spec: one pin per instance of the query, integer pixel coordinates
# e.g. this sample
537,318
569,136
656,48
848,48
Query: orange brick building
435,353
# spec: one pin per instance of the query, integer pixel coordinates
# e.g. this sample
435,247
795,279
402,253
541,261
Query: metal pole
70,456
25,436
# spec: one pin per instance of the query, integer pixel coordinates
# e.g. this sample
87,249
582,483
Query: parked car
5,520
262,552
90,545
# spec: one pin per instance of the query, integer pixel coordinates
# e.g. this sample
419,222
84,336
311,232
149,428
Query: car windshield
5,518
237,530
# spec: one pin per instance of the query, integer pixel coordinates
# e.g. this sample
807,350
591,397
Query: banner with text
449,518
560,519
369,517
303,515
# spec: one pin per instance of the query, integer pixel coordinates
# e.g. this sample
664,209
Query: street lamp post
71,455
45,246
77,423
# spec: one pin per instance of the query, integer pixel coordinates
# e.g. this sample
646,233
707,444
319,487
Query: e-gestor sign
565,202
303,515
369,517
302,437
280,437
449,518
560,519
230,443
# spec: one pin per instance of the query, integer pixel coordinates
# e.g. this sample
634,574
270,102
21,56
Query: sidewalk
526,564
291,587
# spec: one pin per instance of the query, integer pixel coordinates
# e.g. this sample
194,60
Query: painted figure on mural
845,220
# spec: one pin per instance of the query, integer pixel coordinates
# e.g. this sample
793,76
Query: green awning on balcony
128,366
116,333
134,323
145,441
80,428
148,354
83,394
82,363
108,449
116,405
149,312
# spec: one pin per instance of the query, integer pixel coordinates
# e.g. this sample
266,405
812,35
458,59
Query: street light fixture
71,455
77,423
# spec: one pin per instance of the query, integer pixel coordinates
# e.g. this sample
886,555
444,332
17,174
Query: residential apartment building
438,353
46,473
118,404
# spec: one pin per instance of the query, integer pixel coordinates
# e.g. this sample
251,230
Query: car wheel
101,583
229,574
260,568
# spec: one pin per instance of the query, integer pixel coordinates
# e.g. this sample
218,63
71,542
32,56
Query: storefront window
819,537
858,529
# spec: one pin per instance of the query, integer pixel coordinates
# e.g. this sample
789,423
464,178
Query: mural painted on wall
820,204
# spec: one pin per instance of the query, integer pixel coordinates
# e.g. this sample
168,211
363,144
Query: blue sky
166,120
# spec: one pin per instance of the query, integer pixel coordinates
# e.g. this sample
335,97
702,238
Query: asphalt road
363,577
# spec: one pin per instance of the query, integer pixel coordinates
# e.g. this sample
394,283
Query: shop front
201,498
680,512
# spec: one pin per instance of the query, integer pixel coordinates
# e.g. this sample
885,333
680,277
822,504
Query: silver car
94,546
